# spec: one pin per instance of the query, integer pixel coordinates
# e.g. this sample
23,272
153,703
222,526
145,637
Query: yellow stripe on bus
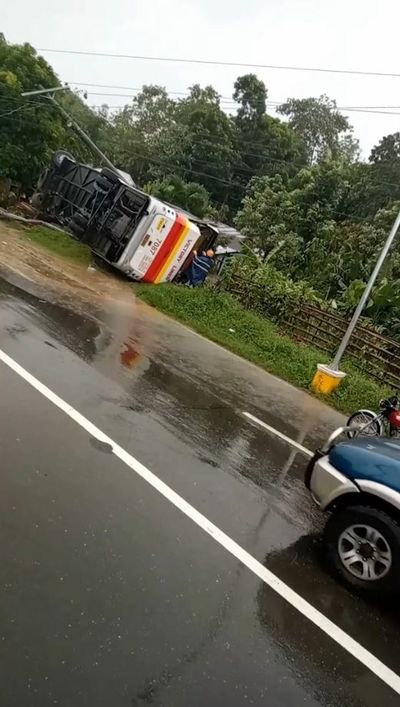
173,253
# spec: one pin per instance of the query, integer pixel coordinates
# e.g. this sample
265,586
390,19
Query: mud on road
66,280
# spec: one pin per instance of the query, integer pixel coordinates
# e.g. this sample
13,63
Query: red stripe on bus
165,249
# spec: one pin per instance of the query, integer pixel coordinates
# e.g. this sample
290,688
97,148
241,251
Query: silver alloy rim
362,419
364,552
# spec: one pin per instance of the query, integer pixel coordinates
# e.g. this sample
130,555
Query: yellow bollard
326,380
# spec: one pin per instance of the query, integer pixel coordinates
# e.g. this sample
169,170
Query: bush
265,290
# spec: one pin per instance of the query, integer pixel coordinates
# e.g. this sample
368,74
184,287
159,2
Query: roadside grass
58,242
219,317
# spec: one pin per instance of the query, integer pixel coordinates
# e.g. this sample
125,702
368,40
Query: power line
235,184
15,110
269,101
227,102
184,60
244,169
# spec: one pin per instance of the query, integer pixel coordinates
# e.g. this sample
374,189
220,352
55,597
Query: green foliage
266,290
193,138
306,207
207,149
93,122
223,320
29,130
268,215
251,93
264,145
189,195
302,223
324,131
387,150
299,211
138,141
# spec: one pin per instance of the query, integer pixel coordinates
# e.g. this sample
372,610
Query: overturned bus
134,232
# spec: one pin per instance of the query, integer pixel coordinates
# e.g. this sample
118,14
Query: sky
345,34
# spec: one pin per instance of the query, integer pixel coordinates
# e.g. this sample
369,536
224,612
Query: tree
189,195
385,172
29,129
206,147
191,138
137,132
324,131
269,216
251,93
319,191
265,146
387,150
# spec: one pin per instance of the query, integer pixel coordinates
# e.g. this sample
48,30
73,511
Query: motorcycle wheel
359,419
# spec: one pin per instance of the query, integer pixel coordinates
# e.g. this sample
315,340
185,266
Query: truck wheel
76,230
80,220
112,177
103,185
78,224
363,545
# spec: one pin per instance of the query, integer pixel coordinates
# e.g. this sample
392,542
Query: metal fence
369,351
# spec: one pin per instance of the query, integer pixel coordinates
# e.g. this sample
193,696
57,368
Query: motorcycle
385,423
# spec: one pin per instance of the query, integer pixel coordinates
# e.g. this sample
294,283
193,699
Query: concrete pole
83,135
364,298
48,93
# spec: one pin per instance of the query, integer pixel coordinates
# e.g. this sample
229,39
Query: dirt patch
65,279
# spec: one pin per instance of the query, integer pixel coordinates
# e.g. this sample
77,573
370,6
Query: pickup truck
357,481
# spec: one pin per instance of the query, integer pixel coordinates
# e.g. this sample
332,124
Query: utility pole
48,93
364,297
328,377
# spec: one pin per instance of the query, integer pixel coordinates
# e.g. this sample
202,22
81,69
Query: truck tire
363,548
80,220
103,185
78,224
76,230
112,177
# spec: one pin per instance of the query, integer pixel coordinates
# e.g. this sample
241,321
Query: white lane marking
355,649
276,433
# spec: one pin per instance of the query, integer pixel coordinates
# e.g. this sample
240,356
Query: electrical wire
244,169
198,173
234,104
3,115
226,100
154,160
213,62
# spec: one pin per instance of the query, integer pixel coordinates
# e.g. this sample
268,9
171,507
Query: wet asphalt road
110,596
